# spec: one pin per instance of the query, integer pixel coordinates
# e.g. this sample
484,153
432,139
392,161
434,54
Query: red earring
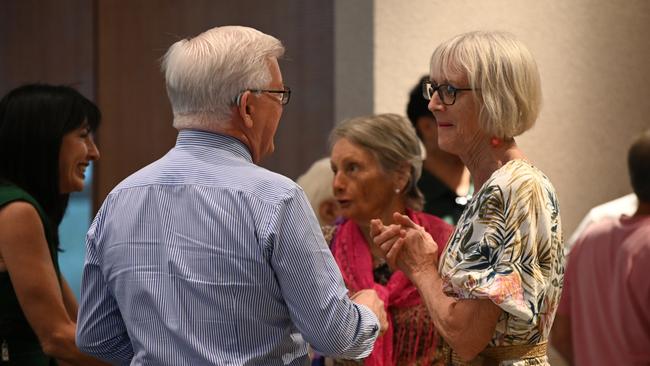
495,142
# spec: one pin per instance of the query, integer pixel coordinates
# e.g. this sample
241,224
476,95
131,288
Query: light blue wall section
72,234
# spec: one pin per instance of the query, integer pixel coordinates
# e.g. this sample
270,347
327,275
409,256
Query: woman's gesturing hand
405,245
386,239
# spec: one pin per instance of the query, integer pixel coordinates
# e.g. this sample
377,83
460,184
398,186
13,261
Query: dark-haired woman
46,145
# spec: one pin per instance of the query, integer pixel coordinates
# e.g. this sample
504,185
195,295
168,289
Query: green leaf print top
507,247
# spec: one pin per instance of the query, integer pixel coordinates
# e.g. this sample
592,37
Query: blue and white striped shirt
204,258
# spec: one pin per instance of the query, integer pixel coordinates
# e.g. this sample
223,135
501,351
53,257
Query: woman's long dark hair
33,120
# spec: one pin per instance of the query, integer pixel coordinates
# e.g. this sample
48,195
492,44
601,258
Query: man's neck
232,128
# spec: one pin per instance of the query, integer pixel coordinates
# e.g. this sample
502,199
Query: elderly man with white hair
203,257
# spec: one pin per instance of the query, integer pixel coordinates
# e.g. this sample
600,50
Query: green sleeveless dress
18,342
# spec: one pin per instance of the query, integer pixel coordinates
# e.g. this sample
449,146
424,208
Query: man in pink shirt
604,312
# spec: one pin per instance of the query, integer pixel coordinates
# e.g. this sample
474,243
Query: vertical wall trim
353,58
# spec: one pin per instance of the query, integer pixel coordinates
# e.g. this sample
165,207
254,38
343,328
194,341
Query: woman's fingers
387,233
376,227
405,221
386,245
403,234
393,252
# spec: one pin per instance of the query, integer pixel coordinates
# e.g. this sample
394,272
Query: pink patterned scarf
353,256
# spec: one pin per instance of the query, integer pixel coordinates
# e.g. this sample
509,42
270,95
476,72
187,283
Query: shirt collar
213,140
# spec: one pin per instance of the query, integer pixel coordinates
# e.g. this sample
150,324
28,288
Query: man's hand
369,298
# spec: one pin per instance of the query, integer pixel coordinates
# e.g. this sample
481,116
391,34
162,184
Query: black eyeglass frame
451,90
284,100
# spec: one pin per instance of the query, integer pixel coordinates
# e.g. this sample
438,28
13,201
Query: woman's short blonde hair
391,138
503,73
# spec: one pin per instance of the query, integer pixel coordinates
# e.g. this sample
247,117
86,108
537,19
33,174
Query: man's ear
244,108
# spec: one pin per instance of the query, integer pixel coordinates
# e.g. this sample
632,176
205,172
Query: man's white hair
205,74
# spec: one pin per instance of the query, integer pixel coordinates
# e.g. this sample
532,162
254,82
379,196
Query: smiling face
77,150
458,124
362,188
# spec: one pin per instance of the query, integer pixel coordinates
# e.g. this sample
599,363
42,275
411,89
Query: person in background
493,293
626,205
203,257
604,314
376,162
445,181
46,144
317,184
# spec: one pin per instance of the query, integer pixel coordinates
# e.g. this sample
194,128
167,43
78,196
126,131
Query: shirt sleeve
507,251
101,331
564,306
312,285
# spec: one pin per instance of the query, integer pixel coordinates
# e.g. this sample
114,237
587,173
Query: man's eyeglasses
284,94
446,92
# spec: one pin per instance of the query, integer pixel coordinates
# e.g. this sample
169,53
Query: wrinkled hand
405,245
386,239
369,298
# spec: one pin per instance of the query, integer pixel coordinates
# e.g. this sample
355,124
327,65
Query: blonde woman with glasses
494,292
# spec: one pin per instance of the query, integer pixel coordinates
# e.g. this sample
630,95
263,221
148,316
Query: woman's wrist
424,275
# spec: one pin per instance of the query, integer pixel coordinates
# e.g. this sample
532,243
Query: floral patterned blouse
507,247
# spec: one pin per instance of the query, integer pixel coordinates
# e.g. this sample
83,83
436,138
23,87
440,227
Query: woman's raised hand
386,238
405,245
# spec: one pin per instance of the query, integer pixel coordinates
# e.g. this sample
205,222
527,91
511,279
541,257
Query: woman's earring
396,190
495,142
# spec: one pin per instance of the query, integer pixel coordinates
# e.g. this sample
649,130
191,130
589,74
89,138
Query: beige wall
592,55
